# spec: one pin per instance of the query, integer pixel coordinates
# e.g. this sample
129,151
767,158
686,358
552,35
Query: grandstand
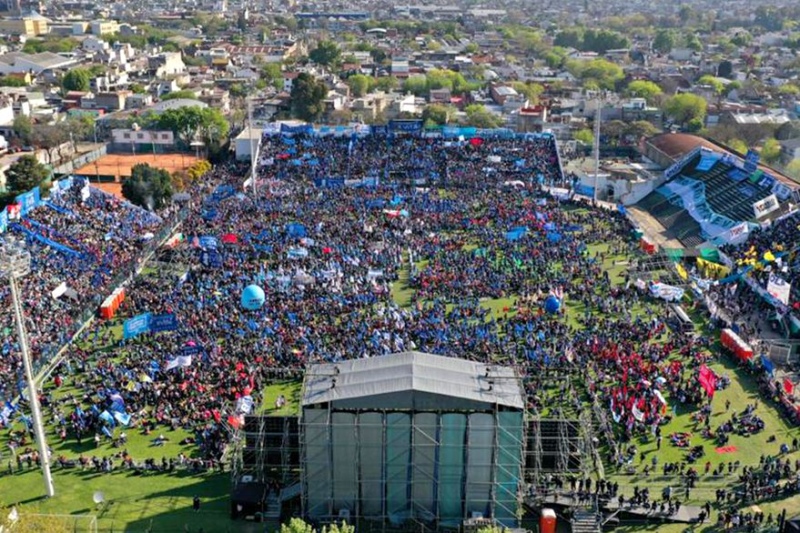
83,243
709,191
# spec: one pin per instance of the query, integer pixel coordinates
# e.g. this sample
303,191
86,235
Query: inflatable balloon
253,297
552,304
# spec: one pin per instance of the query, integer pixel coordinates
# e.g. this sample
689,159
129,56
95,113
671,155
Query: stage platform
686,514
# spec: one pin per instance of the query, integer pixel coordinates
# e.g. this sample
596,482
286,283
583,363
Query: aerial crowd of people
363,246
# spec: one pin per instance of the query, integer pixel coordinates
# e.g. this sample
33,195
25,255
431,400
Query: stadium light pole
15,262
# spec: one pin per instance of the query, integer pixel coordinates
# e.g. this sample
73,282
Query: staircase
273,508
585,521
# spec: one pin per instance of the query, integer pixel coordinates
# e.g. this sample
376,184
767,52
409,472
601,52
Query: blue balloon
552,304
253,297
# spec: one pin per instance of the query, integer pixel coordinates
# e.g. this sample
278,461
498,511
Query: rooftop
412,380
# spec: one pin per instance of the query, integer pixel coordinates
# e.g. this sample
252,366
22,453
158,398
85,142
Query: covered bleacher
710,193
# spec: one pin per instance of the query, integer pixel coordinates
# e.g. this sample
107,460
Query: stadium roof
674,145
412,380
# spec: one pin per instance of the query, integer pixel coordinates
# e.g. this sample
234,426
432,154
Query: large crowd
363,247
99,238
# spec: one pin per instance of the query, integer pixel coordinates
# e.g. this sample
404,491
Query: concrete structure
27,26
412,436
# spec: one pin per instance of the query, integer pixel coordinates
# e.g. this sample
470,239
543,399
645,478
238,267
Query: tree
569,38
297,525
184,94
770,151
272,74
76,79
238,90
416,85
49,137
480,117
359,84
307,95
793,169
11,81
614,130
188,122
684,107
664,41
148,187
531,91
584,136
641,129
386,84
327,53
737,145
438,113
23,128
602,73
25,174
648,90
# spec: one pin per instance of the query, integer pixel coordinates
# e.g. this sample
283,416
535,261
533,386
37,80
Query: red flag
788,386
708,380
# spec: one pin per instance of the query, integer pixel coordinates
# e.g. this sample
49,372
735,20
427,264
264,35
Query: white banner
666,292
59,291
779,288
766,206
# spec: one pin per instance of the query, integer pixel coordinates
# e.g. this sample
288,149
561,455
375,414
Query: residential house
288,81
440,96
108,101
216,98
166,64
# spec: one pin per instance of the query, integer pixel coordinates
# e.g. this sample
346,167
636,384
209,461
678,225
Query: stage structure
412,437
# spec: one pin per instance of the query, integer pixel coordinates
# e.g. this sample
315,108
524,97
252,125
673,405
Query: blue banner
207,241
379,130
168,322
28,201
211,258
47,242
292,130
136,326
410,126
3,221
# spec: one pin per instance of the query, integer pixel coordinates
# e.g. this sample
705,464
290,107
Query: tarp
166,322
516,233
136,326
295,230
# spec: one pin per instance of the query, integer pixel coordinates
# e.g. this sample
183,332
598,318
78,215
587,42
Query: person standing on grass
196,503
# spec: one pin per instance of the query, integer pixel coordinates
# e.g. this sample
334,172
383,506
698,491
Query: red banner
708,380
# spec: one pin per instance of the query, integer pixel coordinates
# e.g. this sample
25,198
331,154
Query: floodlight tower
15,262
